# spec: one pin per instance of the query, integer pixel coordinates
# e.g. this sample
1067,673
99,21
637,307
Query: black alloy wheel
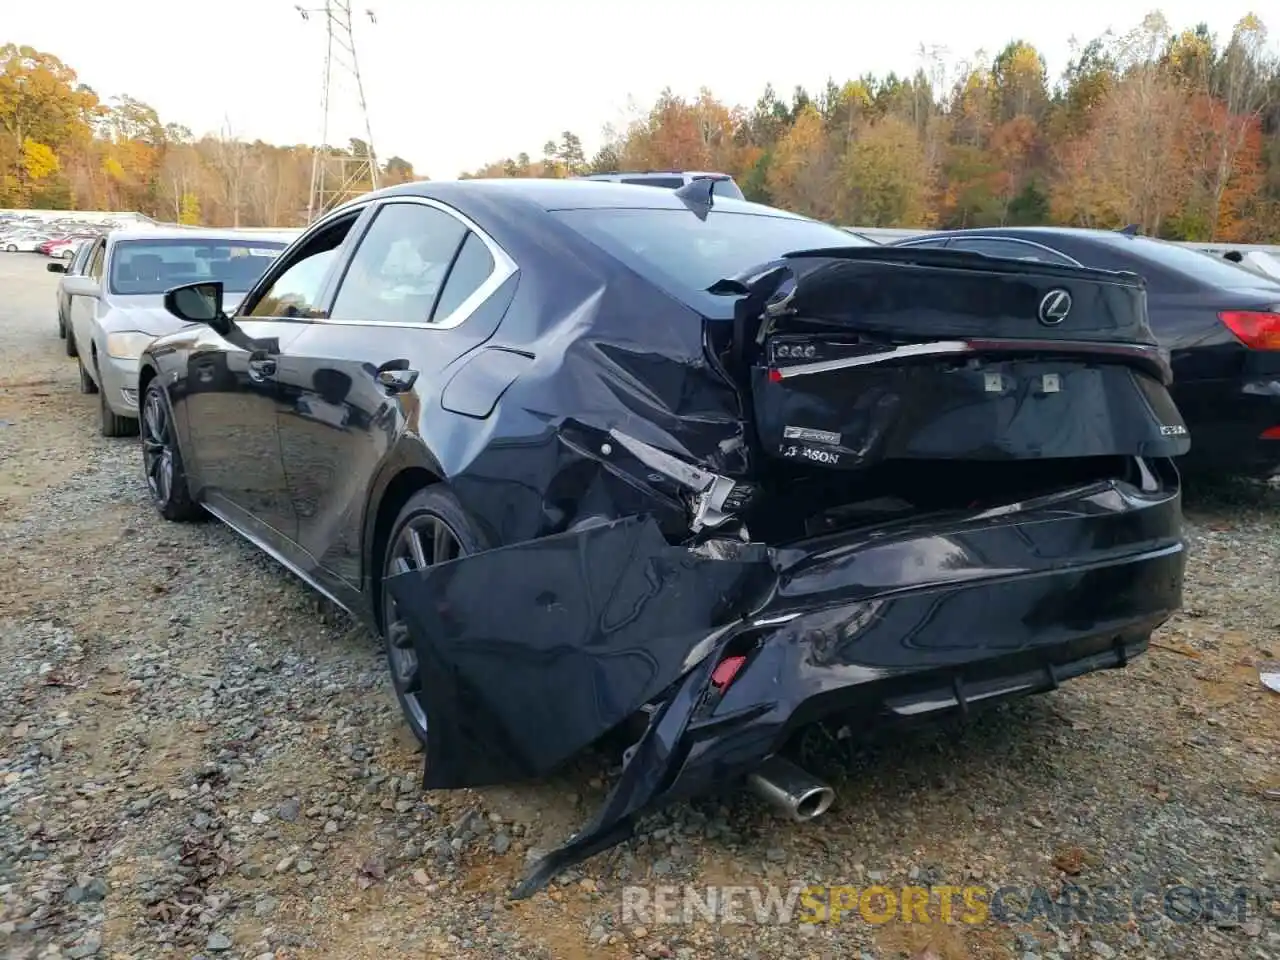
161,459
432,528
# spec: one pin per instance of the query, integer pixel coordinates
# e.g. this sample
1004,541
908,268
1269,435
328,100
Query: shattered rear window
684,255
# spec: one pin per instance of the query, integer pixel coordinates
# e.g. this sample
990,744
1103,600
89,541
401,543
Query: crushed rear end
952,483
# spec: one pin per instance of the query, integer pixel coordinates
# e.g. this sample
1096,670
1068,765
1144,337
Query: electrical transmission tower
340,172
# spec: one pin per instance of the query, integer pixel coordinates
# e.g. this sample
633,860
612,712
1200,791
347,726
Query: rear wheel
87,384
431,528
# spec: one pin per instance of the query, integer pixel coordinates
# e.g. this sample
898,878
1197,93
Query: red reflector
1254,328
1271,433
725,671
775,376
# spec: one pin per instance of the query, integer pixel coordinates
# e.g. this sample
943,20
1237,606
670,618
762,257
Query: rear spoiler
960,260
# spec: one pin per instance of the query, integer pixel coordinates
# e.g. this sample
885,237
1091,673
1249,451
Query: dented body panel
942,613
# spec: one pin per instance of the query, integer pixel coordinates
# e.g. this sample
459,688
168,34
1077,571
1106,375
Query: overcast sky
452,85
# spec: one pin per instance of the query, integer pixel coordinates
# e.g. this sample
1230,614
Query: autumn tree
44,110
804,173
885,180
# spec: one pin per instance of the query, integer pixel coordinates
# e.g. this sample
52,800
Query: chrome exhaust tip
791,790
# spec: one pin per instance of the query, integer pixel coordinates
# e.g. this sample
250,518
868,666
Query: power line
339,173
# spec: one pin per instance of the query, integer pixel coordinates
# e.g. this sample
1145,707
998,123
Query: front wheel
111,423
12,248
162,460
431,528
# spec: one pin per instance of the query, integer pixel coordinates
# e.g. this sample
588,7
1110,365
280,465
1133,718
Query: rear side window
398,271
470,270
1012,249
684,256
725,187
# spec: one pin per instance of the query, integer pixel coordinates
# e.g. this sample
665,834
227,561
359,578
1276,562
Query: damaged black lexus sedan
689,471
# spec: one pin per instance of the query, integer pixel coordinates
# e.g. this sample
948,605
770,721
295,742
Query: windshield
684,255
1205,268
143,267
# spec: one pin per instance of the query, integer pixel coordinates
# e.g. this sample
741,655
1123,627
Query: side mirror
198,303
57,266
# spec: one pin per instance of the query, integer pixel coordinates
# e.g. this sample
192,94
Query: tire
70,345
12,248
87,384
111,423
62,325
171,497
434,505
67,254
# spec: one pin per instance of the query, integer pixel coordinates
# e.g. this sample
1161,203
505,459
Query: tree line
1176,132
63,147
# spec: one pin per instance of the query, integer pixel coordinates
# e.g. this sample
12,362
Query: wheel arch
404,473
146,373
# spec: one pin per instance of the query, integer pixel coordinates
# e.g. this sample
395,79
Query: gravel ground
200,759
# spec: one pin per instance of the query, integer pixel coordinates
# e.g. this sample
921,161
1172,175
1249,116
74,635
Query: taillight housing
1256,329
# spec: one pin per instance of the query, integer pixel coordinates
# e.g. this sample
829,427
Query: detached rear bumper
905,619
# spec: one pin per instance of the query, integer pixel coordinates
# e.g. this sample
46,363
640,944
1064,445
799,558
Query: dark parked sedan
1219,321
686,471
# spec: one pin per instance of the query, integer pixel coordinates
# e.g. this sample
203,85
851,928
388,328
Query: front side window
83,252
398,272
95,265
296,290
150,267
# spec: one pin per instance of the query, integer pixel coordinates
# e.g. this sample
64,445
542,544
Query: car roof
574,194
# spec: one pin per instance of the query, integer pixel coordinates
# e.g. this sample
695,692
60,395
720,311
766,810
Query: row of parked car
676,474
56,237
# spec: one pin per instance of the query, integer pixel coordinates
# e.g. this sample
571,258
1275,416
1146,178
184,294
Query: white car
24,243
117,308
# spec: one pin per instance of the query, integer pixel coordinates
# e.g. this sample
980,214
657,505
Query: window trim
950,242
504,268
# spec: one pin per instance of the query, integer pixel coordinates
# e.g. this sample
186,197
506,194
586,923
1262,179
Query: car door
418,292
85,293
232,393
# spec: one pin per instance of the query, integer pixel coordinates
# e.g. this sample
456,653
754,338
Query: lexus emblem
1054,307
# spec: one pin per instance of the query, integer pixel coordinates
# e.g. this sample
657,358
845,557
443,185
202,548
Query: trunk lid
854,357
